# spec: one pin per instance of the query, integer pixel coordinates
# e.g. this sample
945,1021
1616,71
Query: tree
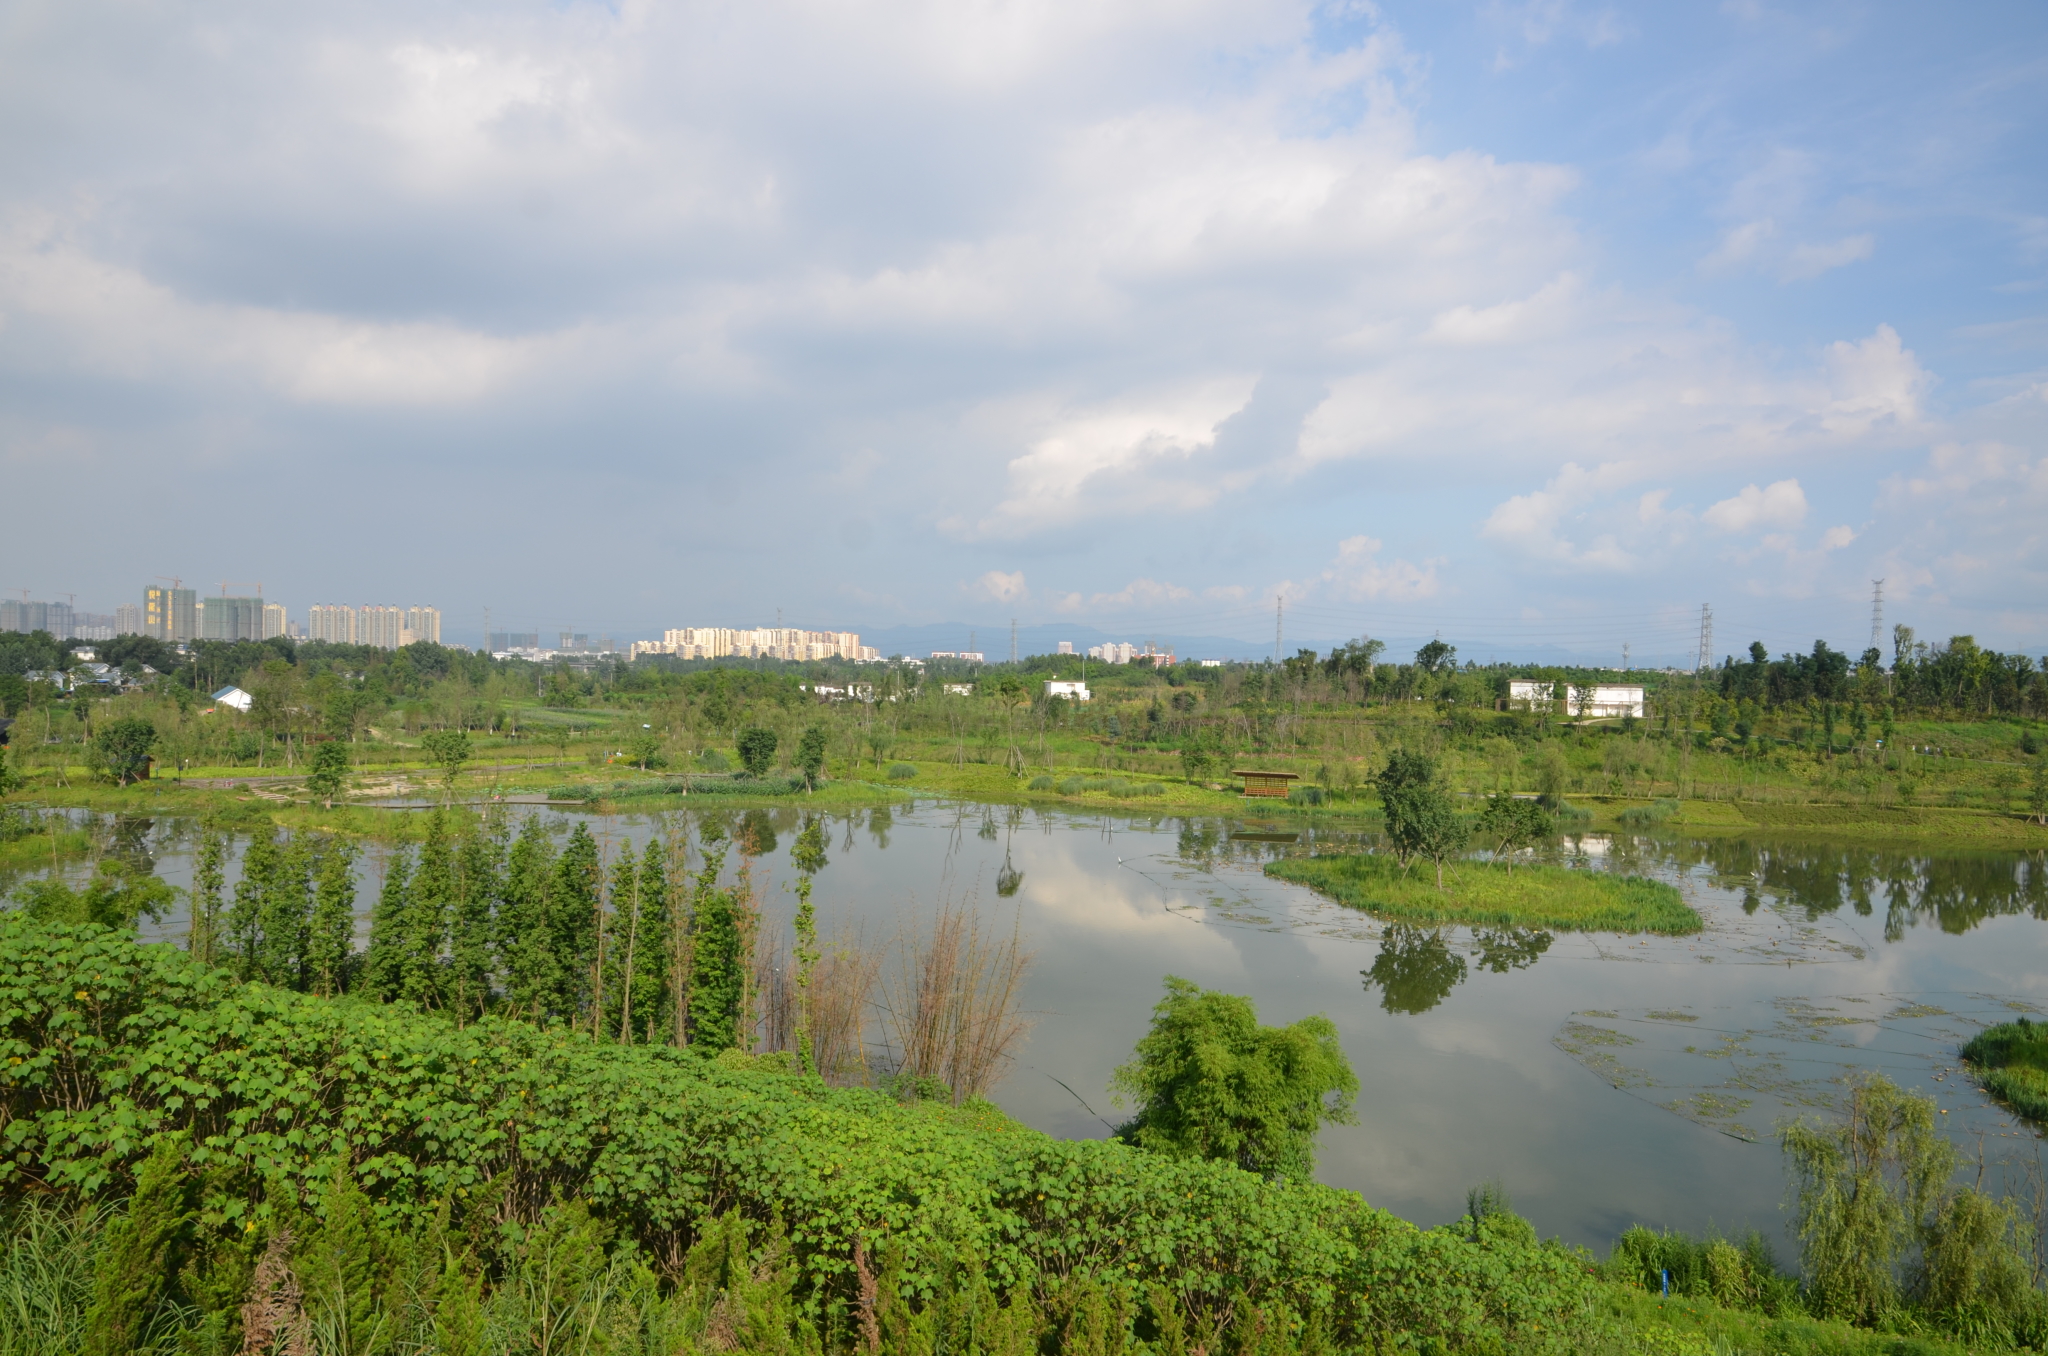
2037,795
330,771
449,748
574,898
645,750
648,995
1209,1082
808,856
1436,657
471,922
141,1252
1867,1190
715,978
390,928
10,780
209,877
118,896
1421,818
810,755
756,747
122,748
330,936
1513,824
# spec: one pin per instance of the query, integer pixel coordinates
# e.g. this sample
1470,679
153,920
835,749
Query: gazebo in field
1272,784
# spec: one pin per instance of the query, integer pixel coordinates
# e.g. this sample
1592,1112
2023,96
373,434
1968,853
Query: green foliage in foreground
1210,1082
2011,1061
105,1046
1494,894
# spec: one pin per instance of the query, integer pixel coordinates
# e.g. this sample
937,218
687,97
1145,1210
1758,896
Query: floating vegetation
2011,1061
1755,1076
1497,894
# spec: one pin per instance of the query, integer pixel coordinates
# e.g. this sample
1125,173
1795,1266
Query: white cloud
1781,504
1810,261
1357,573
1534,524
1139,593
999,587
1113,457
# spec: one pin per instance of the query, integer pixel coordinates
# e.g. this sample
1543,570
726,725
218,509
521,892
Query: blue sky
1539,325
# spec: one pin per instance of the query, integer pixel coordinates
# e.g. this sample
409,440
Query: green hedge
105,1045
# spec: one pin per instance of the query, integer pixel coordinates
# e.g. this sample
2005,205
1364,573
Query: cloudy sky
1537,323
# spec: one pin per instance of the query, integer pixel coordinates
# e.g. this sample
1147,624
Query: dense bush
109,1045
902,772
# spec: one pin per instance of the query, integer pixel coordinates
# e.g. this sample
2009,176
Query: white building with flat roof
1074,692
1602,701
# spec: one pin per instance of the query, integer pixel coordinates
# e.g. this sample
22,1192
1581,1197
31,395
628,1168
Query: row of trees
639,949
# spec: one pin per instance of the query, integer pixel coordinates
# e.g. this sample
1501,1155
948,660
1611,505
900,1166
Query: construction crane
176,582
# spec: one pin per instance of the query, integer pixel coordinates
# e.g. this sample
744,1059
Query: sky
1534,325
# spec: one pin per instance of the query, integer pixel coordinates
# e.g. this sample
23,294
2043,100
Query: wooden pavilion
1272,784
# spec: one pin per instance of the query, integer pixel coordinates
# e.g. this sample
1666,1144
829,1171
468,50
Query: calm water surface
1605,1080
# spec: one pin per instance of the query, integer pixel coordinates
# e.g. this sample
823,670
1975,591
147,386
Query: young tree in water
209,878
716,982
245,917
808,856
526,951
330,941
472,920
617,948
390,929
647,995
1209,1082
574,899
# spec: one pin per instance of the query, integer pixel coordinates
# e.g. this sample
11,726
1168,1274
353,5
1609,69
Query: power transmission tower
1624,656
1877,616
1706,637
1279,618
1013,640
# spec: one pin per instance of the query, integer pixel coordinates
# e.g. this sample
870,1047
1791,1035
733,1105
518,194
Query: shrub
1305,795
1641,816
756,746
1071,786
902,772
1041,782
111,1044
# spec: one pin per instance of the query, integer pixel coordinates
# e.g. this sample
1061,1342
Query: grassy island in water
1491,894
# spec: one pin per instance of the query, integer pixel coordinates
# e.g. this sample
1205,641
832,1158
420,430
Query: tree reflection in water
1416,968
1955,890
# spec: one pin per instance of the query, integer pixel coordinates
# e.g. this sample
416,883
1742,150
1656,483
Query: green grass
1489,894
2011,1061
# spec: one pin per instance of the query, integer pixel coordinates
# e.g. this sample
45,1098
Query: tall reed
951,1003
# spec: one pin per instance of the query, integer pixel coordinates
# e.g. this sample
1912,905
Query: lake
1604,1080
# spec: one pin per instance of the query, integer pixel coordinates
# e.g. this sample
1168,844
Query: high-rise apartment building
336,625
170,614
231,618
128,620
274,622
766,642
424,623
21,615
380,626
